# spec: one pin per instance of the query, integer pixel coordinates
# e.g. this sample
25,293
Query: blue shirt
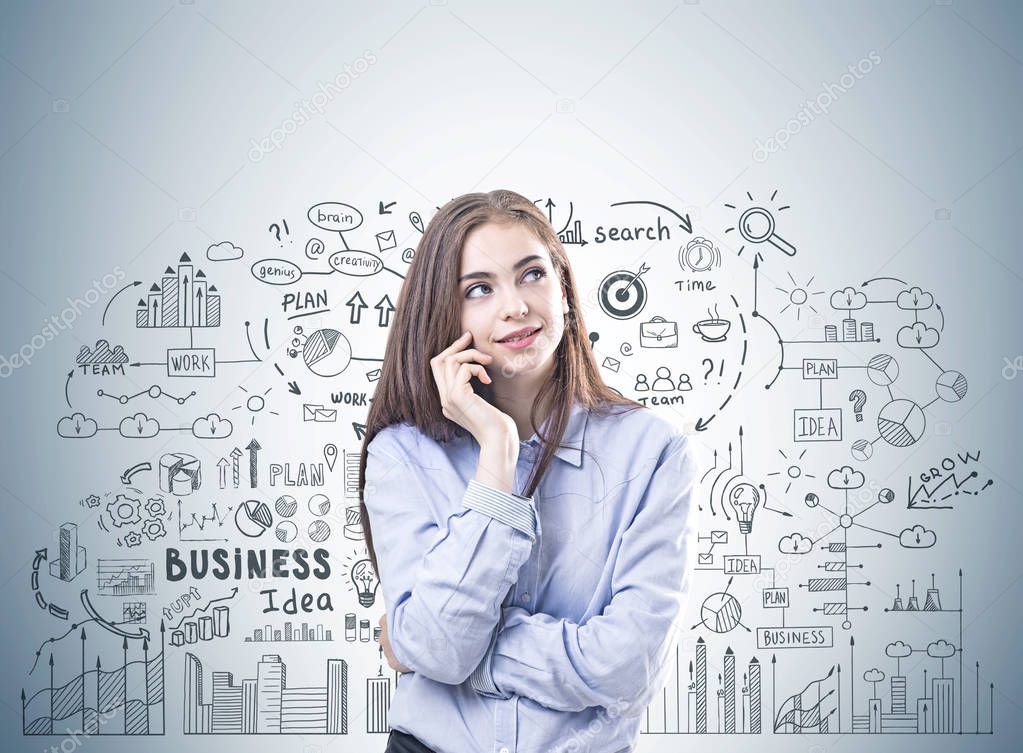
537,623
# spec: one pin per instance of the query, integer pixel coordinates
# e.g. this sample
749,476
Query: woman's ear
564,302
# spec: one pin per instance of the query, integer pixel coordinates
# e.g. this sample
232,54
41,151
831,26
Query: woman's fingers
458,344
446,366
452,362
469,355
467,370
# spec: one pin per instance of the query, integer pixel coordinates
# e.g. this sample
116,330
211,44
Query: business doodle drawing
224,393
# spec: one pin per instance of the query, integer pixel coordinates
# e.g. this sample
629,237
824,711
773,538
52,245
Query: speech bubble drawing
334,216
356,263
276,271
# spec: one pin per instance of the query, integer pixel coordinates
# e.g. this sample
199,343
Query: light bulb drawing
745,499
365,581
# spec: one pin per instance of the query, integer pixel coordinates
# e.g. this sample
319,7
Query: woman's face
508,283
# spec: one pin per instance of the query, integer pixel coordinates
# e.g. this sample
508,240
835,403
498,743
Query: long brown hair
427,319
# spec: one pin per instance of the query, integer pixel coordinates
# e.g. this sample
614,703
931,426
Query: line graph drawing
201,522
125,577
129,697
206,607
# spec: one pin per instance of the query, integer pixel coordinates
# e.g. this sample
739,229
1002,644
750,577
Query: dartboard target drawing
623,294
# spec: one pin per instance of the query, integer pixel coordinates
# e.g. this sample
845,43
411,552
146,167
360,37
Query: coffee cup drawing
712,330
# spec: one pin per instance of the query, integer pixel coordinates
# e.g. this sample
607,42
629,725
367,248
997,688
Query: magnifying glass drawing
756,225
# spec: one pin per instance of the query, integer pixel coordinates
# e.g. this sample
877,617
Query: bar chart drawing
573,237
738,707
852,332
182,298
378,701
291,633
203,627
265,704
71,556
127,577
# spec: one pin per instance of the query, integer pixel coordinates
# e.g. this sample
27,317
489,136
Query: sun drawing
799,296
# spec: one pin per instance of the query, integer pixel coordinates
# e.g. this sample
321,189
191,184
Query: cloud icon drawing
941,649
848,299
76,426
914,299
917,537
795,543
212,426
898,650
873,675
845,478
139,426
223,251
917,335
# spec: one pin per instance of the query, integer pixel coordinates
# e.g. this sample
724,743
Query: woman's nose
514,307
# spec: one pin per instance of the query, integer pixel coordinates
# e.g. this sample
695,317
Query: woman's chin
521,366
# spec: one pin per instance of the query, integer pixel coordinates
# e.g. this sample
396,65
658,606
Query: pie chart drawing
286,506
327,352
862,450
286,531
901,423
883,370
721,612
951,386
252,518
319,531
319,504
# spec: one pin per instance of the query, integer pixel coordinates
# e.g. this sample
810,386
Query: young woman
534,532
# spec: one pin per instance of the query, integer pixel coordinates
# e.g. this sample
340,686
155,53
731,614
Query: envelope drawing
385,240
705,559
318,413
719,537
373,375
611,363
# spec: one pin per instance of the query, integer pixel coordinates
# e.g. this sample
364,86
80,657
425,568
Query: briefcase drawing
658,333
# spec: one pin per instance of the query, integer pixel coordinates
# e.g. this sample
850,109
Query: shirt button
503,750
525,597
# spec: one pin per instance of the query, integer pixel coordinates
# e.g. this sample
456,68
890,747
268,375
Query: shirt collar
571,449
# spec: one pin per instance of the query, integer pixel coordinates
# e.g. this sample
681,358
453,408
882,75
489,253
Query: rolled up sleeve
443,581
618,658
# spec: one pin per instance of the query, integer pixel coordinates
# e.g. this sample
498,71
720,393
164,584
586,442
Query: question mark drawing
858,398
710,368
276,230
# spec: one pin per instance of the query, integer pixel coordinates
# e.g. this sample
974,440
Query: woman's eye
540,273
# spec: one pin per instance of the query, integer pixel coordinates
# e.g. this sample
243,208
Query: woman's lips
525,342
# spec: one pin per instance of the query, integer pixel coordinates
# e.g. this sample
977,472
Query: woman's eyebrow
488,275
